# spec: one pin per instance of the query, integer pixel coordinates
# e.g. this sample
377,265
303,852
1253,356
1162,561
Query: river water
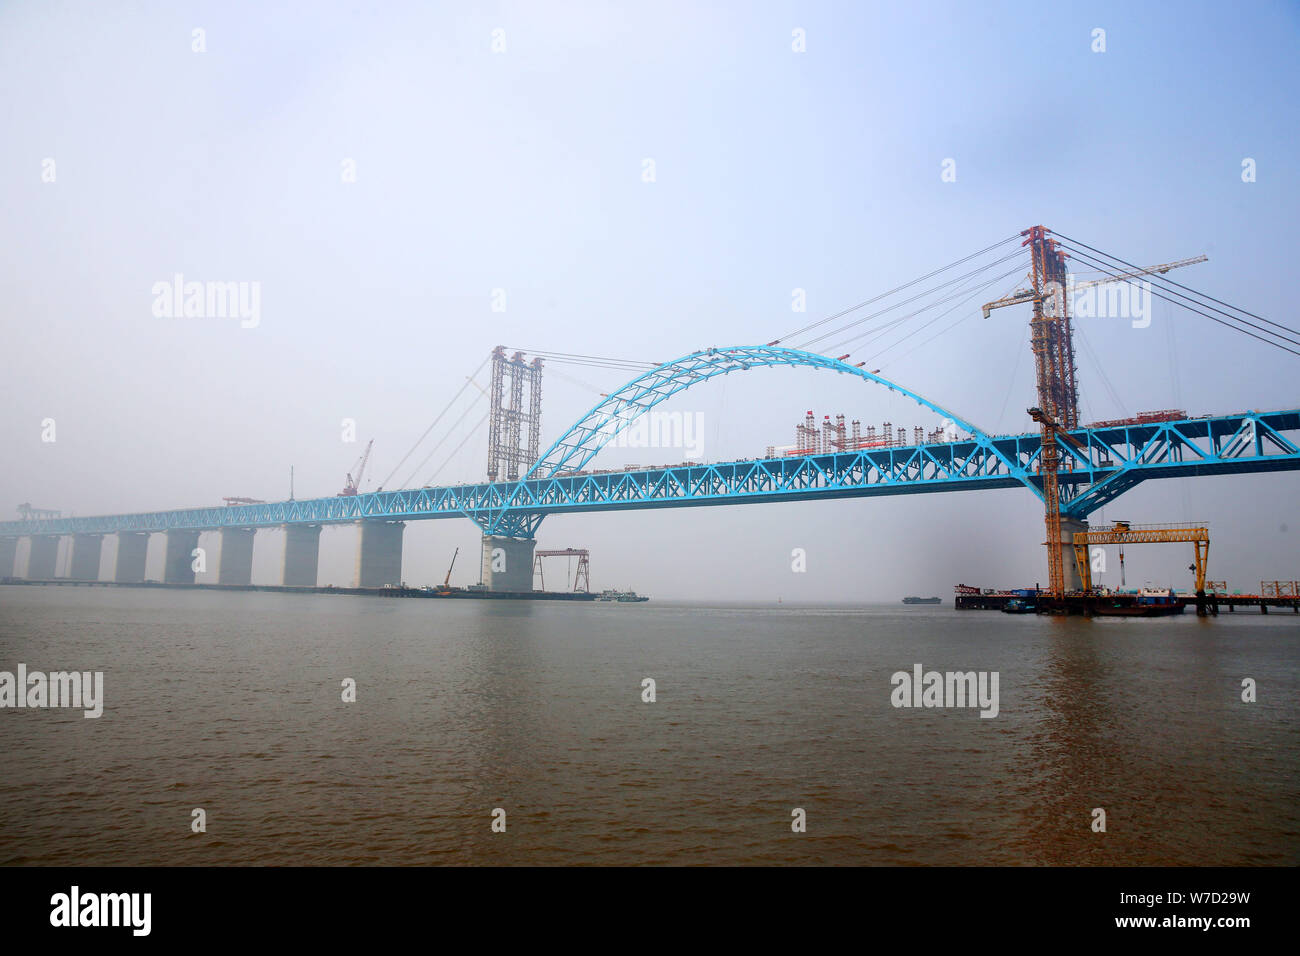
232,703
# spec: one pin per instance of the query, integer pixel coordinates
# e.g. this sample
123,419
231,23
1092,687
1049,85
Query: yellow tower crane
1051,340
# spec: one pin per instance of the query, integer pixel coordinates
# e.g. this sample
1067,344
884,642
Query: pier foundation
86,550
508,563
43,556
301,555
8,554
178,567
132,549
236,562
379,553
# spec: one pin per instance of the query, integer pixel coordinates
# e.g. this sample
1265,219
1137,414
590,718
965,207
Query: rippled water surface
232,702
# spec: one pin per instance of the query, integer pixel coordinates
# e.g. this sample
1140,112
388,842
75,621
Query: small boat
621,597
1019,606
921,600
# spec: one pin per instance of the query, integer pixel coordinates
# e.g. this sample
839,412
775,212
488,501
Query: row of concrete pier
507,563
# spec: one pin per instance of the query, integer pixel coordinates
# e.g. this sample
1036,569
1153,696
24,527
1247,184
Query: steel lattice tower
1058,392
518,419
1052,336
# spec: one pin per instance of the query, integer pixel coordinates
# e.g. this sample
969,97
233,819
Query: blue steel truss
1213,445
1112,461
620,409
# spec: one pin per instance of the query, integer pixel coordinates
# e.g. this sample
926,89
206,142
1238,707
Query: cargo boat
1150,602
921,600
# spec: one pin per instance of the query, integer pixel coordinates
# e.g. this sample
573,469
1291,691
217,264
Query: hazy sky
522,170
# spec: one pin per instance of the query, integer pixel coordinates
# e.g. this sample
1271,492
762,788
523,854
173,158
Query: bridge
1091,466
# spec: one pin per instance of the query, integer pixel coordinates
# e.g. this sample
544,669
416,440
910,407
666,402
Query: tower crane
1138,273
1021,296
1055,371
354,486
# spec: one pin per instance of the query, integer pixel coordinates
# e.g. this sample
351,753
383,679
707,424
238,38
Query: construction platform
1086,604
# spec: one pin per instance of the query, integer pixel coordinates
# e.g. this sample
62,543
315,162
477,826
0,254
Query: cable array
1234,318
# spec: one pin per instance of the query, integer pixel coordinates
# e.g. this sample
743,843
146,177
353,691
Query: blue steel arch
619,409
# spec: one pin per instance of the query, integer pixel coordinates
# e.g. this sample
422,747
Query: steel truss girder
1245,442
618,410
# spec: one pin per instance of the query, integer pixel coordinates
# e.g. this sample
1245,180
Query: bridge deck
1113,460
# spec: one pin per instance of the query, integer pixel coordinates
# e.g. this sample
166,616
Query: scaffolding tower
514,425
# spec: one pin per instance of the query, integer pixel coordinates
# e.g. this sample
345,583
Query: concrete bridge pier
1069,564
379,553
508,563
178,567
132,549
301,555
43,557
86,551
236,562
8,554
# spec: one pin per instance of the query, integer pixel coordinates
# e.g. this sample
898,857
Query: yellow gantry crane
1052,341
1125,533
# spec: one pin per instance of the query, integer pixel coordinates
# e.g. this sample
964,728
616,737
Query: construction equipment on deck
28,513
446,582
1122,533
353,486
581,578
